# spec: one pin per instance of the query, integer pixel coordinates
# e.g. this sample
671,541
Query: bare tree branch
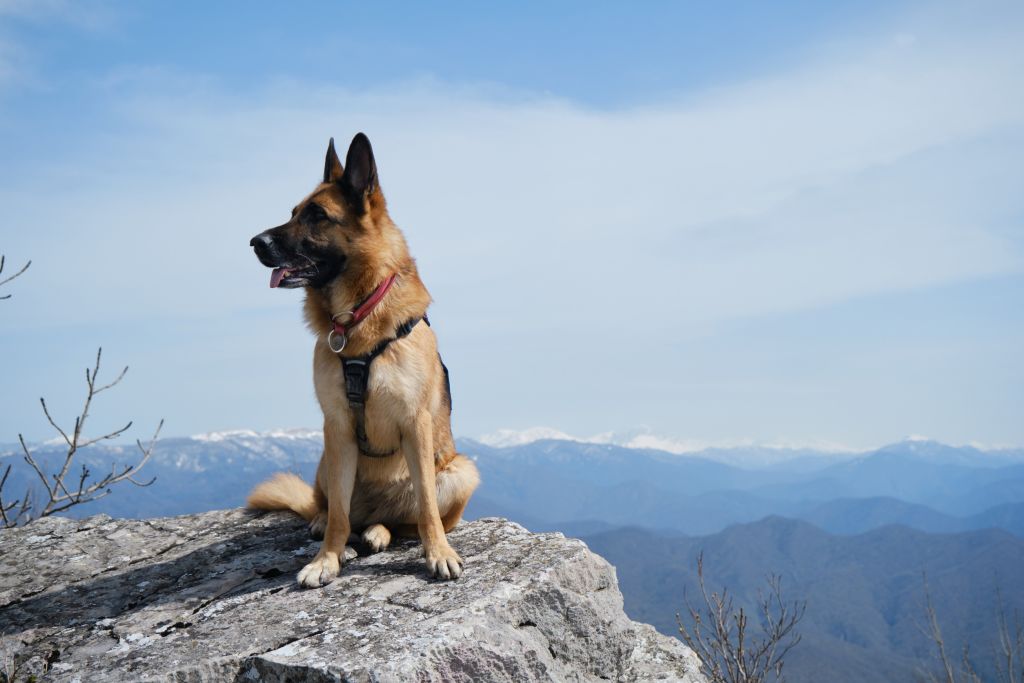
112,435
934,632
112,384
60,493
31,461
49,418
722,637
8,279
5,507
1008,653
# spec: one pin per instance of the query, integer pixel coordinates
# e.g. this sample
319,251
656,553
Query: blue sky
783,223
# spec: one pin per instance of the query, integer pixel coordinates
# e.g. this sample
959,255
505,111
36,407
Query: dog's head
330,229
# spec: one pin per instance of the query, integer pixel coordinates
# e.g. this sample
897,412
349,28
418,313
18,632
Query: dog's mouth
290,277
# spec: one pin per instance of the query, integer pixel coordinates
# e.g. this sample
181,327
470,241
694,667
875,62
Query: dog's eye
313,212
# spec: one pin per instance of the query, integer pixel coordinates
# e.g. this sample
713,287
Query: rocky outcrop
212,597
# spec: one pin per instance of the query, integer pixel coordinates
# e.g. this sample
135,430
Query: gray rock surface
212,597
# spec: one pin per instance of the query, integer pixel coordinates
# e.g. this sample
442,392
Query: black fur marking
360,176
329,263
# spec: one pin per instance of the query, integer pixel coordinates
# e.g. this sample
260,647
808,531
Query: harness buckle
357,375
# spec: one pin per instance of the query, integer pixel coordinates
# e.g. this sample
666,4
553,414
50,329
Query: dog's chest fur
399,379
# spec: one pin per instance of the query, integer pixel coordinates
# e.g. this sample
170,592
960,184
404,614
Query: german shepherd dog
364,296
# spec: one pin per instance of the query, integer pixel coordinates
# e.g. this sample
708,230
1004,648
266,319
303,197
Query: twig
5,507
8,279
933,631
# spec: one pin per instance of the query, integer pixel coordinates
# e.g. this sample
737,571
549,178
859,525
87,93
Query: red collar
349,319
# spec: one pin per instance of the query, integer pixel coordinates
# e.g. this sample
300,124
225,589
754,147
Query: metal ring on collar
334,344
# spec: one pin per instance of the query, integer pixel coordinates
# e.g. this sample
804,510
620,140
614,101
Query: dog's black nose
262,244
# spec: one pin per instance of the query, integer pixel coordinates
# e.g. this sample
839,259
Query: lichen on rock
212,597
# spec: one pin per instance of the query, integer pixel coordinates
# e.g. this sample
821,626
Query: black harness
357,382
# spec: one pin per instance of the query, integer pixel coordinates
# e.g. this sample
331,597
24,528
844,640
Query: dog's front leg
418,446
341,459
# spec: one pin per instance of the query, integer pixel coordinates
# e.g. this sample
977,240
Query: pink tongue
276,276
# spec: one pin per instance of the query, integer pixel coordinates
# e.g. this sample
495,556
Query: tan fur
425,485
285,491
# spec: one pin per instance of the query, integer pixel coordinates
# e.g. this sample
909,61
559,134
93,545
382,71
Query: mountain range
582,487
560,485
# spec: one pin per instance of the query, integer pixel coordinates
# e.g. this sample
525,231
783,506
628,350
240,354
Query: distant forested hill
864,592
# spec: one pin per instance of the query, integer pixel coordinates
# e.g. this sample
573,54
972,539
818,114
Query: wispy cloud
19,60
857,175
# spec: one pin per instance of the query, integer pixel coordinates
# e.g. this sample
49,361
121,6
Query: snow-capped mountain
548,480
744,452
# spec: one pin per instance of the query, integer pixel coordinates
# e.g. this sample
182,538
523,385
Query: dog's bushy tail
285,491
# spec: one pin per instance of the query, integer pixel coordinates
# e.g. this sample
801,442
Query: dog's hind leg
394,512
377,537
455,484
366,514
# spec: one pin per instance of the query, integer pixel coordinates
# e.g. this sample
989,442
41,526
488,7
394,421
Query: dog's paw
318,525
443,563
321,571
377,537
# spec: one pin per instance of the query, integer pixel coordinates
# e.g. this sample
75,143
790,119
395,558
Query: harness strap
357,381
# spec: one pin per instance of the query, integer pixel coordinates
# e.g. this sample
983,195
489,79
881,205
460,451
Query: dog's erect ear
360,177
332,164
